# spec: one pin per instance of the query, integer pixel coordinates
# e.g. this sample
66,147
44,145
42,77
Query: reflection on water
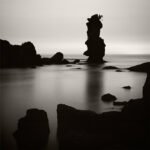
45,87
94,87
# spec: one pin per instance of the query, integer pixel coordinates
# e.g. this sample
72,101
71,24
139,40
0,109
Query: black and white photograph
74,74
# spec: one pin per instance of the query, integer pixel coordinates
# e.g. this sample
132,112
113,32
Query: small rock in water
68,65
108,97
127,87
78,68
76,61
119,70
110,67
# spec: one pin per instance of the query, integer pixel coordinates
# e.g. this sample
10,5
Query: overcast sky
60,25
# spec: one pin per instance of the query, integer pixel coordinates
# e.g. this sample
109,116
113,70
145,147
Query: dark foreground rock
33,130
145,67
79,129
125,130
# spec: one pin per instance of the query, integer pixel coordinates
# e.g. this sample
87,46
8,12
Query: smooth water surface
80,86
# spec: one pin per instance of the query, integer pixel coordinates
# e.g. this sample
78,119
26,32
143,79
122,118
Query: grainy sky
60,25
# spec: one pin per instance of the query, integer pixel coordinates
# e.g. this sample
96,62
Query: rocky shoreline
25,56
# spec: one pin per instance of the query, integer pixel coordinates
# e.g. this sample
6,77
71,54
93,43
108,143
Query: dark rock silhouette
145,67
136,131
65,61
125,130
127,87
119,70
33,130
78,68
68,65
25,55
76,61
109,98
57,58
81,129
110,67
146,94
18,55
46,61
95,44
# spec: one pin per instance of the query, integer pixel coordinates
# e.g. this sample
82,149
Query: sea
79,85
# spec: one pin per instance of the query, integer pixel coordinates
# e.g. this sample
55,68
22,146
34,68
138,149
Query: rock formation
95,44
25,55
33,130
83,129
144,67
108,98
13,56
57,59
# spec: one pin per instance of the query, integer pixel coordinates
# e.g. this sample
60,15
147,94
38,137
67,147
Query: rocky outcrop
57,58
33,130
24,55
145,67
81,129
95,44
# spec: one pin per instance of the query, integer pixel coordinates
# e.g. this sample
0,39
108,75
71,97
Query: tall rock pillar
95,44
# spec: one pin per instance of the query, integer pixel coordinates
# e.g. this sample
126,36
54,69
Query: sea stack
95,44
